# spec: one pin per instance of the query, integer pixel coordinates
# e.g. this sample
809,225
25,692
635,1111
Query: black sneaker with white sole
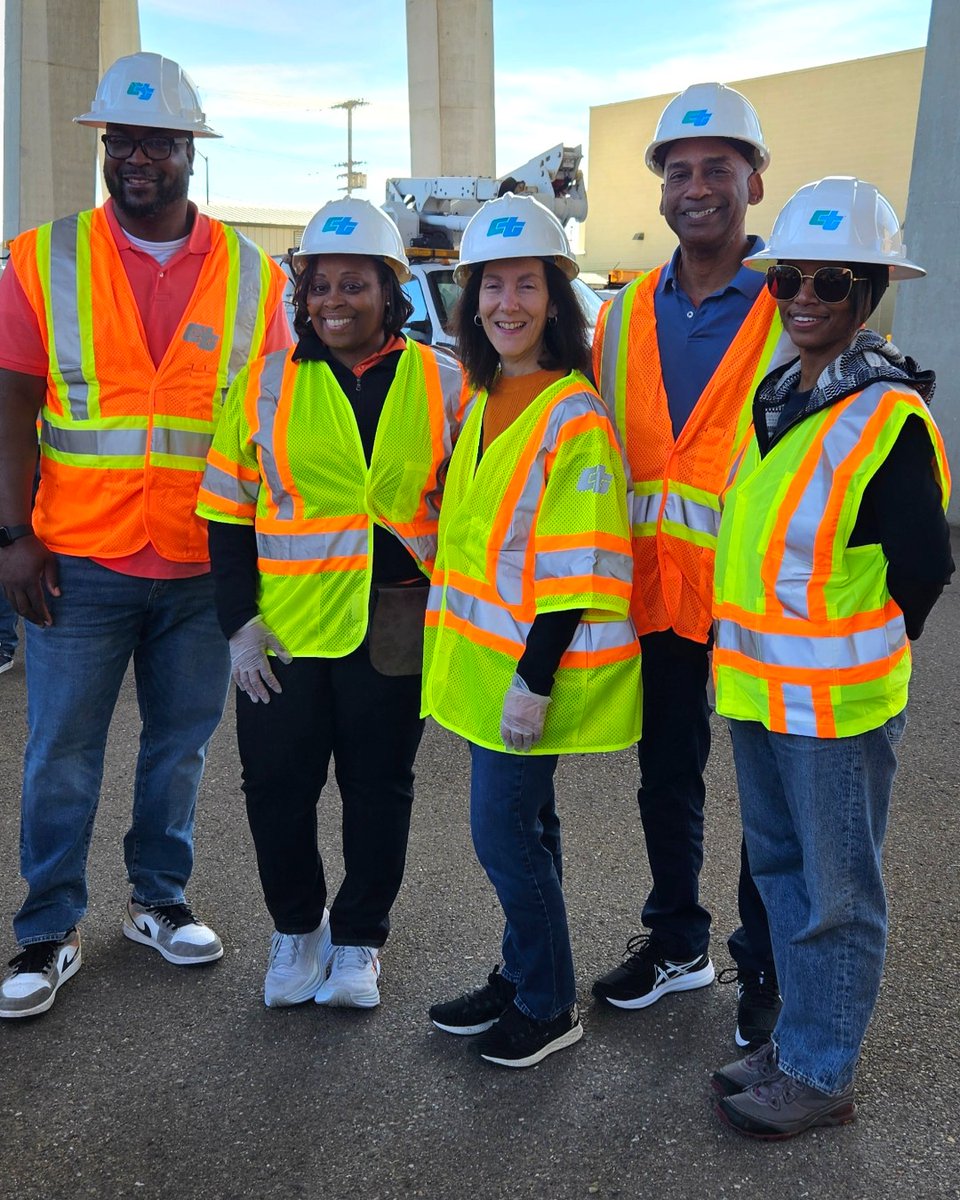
38,971
646,974
758,1005
474,1012
516,1040
172,929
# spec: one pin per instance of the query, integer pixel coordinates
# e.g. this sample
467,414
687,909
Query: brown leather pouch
395,636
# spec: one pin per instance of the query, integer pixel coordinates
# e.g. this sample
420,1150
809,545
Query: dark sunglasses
155,148
831,285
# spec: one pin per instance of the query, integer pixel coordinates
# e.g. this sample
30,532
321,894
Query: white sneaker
352,982
172,929
298,964
38,970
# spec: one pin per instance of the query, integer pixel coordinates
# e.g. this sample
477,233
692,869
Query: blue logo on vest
202,336
696,116
338,225
827,218
595,479
142,91
505,227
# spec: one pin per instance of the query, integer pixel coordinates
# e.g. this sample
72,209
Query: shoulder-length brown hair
566,346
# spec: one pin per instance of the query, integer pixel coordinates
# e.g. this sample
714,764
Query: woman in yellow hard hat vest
324,456
529,650
833,548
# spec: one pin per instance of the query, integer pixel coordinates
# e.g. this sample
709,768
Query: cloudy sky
269,72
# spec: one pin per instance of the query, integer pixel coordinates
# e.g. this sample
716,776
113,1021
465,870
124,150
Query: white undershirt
161,251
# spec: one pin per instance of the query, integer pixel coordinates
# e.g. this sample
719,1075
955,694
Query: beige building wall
850,118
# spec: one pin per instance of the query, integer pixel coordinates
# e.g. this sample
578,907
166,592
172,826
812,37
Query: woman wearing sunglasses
833,548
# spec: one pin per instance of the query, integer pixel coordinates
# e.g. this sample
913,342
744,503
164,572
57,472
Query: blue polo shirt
692,340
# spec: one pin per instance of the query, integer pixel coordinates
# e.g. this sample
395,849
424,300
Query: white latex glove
249,662
521,725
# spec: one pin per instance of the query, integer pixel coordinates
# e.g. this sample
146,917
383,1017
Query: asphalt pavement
152,1081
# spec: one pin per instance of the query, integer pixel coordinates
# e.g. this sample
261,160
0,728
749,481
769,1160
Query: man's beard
167,191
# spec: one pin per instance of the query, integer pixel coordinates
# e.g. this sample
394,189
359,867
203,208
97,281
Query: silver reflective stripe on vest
96,443
814,653
313,547
593,637
488,618
645,508
701,518
217,482
806,519
248,305
451,385
798,709
587,561
65,316
612,332
184,443
271,383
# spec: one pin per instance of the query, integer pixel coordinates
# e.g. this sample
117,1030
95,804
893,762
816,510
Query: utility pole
355,179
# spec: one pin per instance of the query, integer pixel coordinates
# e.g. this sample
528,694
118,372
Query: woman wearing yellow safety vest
319,451
833,548
529,650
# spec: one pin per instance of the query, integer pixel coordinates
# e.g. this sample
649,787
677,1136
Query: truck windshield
445,293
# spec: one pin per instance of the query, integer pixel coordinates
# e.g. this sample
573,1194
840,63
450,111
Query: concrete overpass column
927,320
450,82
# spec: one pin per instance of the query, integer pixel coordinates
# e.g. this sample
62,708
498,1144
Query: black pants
673,755
371,726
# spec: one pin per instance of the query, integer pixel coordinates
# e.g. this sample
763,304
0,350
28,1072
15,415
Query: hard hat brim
144,121
650,154
570,267
899,271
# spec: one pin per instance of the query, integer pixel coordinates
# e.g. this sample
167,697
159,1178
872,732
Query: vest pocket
395,634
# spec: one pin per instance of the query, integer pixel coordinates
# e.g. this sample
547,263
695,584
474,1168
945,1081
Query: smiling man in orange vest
121,328
678,355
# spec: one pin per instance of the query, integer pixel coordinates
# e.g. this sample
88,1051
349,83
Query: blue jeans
8,626
74,671
516,834
814,815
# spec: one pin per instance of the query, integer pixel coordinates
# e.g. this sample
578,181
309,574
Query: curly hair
397,309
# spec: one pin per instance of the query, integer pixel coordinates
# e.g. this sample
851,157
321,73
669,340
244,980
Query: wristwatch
10,533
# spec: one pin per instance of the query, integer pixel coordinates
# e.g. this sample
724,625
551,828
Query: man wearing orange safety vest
121,327
677,356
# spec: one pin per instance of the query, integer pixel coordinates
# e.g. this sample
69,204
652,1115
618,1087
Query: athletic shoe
646,974
758,1005
6,660
784,1107
476,1011
759,1066
352,982
516,1040
173,930
38,971
297,966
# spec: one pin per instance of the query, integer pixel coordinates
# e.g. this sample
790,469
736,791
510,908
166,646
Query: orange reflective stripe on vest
677,482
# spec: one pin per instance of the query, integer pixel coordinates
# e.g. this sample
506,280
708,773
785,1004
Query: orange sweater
508,398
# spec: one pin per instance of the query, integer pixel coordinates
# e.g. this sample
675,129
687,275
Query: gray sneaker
38,970
298,965
784,1107
759,1066
172,929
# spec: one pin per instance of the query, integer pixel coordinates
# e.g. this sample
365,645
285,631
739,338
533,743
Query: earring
476,319
552,320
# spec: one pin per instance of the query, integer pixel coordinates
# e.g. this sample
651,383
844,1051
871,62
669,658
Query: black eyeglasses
156,148
831,285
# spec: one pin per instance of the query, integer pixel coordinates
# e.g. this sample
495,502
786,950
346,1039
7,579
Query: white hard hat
838,219
147,89
709,110
514,227
353,226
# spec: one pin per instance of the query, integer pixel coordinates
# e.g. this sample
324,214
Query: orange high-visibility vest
124,442
677,483
288,459
809,639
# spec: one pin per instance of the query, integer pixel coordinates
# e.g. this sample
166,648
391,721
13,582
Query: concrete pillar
450,82
54,52
927,320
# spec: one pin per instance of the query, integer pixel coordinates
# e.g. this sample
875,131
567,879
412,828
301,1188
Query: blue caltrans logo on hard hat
142,91
505,227
827,218
696,116
338,225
